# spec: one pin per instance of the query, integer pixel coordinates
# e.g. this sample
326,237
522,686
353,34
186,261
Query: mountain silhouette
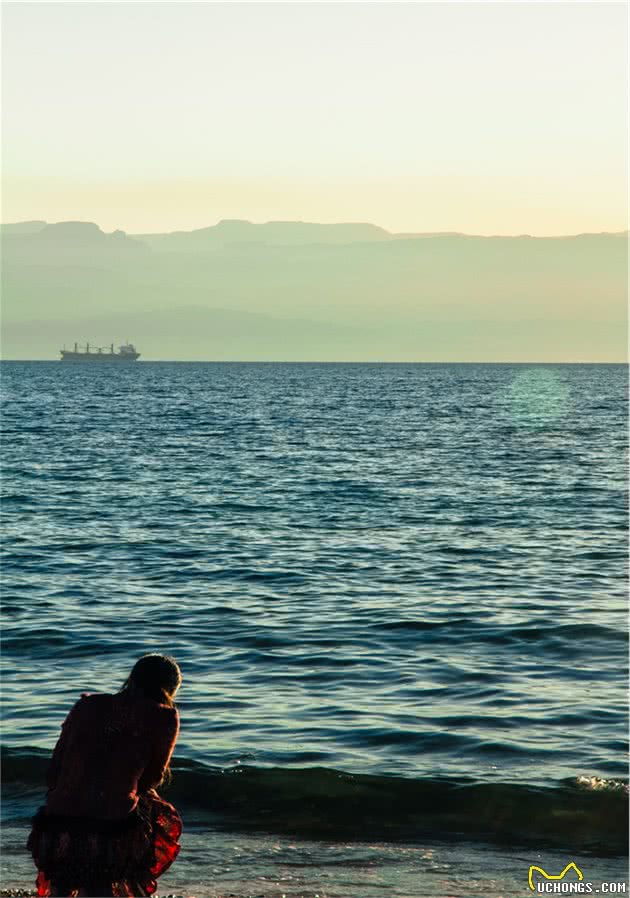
323,291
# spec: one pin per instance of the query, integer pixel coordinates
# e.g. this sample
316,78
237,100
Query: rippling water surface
411,569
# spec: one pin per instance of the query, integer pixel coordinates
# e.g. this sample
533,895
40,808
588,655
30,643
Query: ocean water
410,577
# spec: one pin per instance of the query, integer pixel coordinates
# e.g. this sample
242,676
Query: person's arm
58,752
153,774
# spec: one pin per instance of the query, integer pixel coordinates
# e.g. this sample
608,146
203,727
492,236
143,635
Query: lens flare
536,398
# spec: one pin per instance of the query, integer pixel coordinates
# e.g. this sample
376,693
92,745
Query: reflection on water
381,568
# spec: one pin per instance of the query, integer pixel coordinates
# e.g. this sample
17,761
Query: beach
237,865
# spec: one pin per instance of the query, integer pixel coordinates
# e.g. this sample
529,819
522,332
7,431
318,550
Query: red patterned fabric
167,829
80,857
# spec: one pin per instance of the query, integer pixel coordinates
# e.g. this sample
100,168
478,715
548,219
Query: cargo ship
126,353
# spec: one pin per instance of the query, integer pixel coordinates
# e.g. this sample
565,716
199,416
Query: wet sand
219,864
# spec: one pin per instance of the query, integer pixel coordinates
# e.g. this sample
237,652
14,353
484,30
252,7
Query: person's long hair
156,677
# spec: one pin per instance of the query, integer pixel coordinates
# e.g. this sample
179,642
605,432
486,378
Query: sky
486,118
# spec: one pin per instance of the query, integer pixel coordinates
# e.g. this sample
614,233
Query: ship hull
105,357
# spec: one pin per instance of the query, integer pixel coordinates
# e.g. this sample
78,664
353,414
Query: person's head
157,677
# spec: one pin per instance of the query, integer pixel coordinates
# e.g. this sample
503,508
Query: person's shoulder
92,699
168,716
90,703
168,712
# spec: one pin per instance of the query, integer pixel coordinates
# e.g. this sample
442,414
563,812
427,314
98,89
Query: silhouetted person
104,830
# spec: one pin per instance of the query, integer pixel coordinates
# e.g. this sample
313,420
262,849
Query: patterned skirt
77,856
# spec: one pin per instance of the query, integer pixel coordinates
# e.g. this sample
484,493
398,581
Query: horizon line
319,362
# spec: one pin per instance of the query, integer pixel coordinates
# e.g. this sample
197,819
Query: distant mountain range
306,291
279,233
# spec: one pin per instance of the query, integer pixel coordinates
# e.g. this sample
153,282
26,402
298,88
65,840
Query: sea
397,594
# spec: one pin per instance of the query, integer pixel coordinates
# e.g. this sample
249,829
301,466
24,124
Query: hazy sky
480,117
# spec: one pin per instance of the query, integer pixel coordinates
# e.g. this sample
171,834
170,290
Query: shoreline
589,814
218,864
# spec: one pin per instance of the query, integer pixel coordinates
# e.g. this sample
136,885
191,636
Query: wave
580,814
